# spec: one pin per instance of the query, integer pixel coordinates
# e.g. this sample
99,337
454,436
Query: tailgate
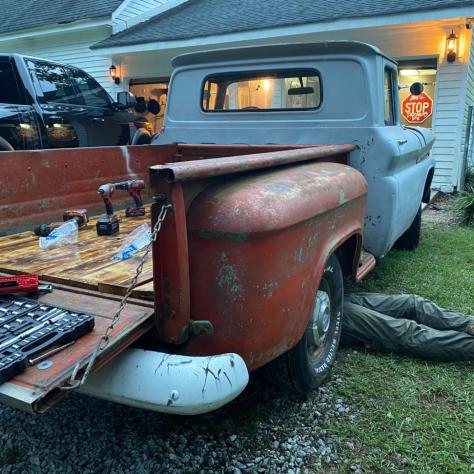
35,390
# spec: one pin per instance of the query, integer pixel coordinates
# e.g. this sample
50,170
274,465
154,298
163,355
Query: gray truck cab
319,93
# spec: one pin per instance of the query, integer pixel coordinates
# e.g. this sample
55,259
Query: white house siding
132,12
72,48
446,124
469,102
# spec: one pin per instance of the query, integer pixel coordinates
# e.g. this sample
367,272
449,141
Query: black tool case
28,329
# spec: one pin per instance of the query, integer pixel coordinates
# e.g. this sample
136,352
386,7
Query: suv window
89,92
262,91
52,80
9,92
389,97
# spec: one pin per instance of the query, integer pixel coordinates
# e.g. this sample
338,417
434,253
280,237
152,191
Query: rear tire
141,137
310,361
5,146
411,238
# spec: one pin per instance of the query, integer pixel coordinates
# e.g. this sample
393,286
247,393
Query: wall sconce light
451,45
114,75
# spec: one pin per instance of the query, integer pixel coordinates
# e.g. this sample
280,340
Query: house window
389,97
262,91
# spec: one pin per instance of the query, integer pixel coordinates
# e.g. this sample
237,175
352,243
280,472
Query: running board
366,264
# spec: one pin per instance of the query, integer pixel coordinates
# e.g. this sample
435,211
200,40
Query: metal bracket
198,328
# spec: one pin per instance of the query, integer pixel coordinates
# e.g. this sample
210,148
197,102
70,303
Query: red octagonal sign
417,108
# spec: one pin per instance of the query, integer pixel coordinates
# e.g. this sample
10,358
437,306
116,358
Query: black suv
50,105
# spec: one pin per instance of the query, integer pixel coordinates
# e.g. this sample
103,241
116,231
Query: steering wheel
250,107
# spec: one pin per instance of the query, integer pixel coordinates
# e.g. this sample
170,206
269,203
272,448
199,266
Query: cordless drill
134,188
79,215
108,224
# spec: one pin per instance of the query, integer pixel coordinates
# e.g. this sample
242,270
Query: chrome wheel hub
320,320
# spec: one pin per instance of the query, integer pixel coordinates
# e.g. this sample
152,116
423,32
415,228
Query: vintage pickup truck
276,167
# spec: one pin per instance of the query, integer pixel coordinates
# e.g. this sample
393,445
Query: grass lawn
412,415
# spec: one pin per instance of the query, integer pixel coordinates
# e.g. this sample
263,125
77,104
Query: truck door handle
401,141
100,119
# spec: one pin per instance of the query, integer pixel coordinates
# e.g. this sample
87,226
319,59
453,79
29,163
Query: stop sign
417,108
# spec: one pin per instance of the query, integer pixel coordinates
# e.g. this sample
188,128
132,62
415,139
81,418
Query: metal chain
104,340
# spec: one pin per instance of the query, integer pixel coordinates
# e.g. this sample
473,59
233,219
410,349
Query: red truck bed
36,187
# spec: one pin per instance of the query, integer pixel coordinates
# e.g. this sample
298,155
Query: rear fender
258,246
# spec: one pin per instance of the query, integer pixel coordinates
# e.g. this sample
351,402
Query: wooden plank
87,264
144,291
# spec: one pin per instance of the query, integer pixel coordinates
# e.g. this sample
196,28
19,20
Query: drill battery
28,329
108,225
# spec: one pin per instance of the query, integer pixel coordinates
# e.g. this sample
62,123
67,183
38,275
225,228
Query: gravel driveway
267,429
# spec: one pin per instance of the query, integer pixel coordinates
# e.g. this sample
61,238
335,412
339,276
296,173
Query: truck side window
9,92
53,81
88,90
262,91
389,114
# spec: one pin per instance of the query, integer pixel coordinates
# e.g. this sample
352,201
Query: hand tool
134,188
108,224
23,335
22,284
79,215
18,283
49,353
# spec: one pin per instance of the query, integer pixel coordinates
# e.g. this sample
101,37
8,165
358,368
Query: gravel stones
268,430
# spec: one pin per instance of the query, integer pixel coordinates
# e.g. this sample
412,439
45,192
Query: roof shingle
24,14
197,18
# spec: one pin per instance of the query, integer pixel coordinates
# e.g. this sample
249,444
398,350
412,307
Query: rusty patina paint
36,186
258,244
189,170
171,268
294,218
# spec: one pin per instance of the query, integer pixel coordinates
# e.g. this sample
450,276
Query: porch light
451,45
114,74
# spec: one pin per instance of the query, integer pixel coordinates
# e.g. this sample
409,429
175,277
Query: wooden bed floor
86,264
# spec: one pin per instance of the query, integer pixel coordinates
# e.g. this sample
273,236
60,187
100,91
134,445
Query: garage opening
151,94
417,110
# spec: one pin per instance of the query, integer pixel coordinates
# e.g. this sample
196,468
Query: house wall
69,48
132,12
469,102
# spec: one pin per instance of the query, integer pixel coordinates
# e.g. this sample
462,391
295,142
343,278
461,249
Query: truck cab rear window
262,91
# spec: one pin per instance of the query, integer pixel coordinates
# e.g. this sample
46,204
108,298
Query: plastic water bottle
63,235
134,242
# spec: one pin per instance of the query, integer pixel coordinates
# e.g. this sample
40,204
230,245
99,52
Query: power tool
108,224
22,284
133,187
79,215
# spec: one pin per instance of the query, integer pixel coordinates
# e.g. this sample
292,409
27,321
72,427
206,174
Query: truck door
57,103
18,124
410,150
104,124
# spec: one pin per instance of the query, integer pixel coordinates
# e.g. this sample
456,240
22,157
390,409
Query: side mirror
126,99
417,88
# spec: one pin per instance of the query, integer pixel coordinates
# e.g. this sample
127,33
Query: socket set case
29,329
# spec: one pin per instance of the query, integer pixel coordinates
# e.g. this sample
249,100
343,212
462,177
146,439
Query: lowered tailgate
36,389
